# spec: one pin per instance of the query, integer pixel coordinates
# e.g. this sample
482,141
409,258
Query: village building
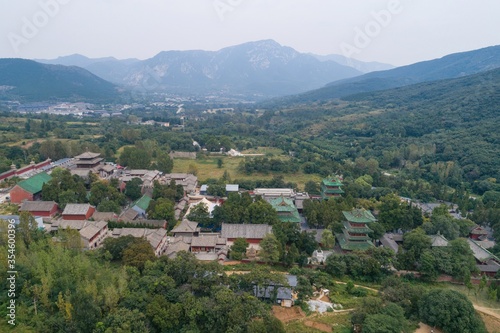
92,234
478,233
29,189
252,233
355,233
331,187
271,193
78,212
487,263
104,216
177,245
156,237
232,188
40,208
207,243
141,205
282,295
186,229
188,181
390,241
438,240
287,212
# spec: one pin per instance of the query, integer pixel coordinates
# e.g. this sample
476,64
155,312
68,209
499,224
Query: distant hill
108,68
255,69
362,66
450,66
452,121
28,80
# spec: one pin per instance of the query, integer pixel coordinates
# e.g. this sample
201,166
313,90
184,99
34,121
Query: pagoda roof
346,245
359,216
332,181
287,212
87,156
34,184
282,204
350,228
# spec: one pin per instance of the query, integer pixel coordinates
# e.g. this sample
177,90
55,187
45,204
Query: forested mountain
450,66
261,69
28,80
444,130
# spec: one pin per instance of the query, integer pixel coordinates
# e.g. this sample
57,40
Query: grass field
479,298
207,168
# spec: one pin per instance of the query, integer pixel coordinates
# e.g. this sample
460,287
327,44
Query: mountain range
451,66
254,70
261,69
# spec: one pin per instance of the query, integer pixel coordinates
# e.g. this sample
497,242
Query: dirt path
357,285
487,311
423,328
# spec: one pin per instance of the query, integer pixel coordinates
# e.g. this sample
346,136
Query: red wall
88,215
18,195
51,213
249,240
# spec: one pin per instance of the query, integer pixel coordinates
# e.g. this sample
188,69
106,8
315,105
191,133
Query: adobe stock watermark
364,36
32,24
222,7
12,273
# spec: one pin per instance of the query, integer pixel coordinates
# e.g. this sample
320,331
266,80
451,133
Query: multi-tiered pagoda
355,234
331,187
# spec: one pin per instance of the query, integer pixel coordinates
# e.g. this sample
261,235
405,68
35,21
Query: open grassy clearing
478,298
207,168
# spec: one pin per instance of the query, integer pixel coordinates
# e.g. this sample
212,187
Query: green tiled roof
292,217
34,184
287,212
353,246
143,202
332,181
350,228
282,204
359,216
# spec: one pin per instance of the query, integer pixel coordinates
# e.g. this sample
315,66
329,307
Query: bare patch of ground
288,314
424,328
319,326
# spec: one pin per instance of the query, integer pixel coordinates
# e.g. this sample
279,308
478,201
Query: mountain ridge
32,81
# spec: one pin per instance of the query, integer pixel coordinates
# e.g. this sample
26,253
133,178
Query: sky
397,32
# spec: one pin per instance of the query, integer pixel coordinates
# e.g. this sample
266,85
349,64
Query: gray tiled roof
186,226
39,206
204,241
76,209
248,231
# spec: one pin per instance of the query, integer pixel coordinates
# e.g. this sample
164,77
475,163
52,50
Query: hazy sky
392,31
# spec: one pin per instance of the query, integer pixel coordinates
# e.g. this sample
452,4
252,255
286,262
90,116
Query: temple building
287,212
88,160
355,234
331,187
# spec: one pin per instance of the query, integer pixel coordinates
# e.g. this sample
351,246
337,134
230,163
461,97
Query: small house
39,208
78,212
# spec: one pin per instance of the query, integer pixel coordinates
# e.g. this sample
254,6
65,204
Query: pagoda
88,160
331,187
287,212
355,234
